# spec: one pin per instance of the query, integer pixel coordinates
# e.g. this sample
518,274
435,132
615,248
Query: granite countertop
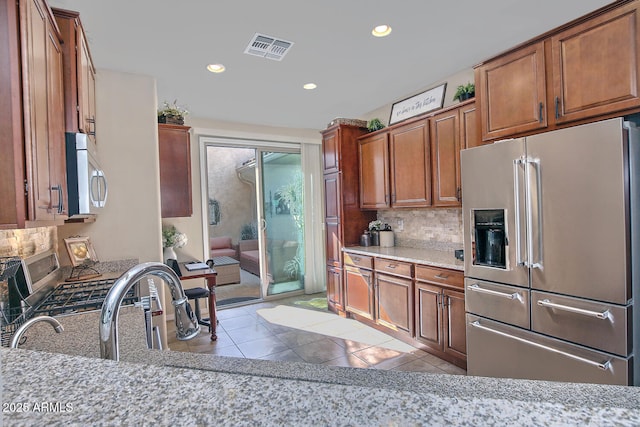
437,257
150,387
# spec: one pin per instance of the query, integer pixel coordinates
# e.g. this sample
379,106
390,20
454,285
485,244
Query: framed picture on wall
80,250
424,102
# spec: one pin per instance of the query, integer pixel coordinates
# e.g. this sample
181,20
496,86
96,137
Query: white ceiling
355,72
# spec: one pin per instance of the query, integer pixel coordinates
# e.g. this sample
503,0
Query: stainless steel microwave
86,182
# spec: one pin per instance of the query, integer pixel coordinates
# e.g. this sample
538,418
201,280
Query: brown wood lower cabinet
419,304
358,290
334,288
440,316
394,302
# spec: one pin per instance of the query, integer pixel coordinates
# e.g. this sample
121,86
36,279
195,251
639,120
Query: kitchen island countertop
150,387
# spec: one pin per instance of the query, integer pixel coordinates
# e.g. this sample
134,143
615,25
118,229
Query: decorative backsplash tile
425,228
27,242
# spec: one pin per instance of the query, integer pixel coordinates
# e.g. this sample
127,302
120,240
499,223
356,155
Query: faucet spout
15,341
186,323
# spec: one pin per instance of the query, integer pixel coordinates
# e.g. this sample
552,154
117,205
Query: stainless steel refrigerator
551,241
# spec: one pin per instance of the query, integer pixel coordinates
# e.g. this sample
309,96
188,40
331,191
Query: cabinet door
86,89
333,243
335,294
469,130
175,170
331,151
455,326
596,66
394,302
445,152
332,196
358,291
429,315
410,165
374,171
56,125
512,93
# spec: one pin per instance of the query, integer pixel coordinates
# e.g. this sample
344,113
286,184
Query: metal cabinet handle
597,314
540,112
513,296
442,276
557,107
392,266
60,207
604,365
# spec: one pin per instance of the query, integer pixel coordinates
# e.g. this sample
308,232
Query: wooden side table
209,275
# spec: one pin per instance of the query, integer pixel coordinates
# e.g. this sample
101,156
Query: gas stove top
79,297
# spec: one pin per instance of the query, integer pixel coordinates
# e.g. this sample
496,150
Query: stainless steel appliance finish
570,202
86,181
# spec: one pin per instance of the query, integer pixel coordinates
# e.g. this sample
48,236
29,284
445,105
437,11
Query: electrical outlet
400,225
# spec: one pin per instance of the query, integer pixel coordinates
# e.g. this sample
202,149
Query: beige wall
461,78
127,138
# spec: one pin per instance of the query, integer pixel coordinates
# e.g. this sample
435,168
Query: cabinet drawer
358,260
505,303
390,266
439,275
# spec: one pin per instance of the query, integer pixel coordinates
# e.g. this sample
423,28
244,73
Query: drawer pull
599,315
392,266
442,276
512,296
356,258
605,366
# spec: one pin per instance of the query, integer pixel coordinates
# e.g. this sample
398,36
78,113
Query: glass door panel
282,219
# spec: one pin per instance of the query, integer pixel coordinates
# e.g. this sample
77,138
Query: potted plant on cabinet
374,125
172,113
464,92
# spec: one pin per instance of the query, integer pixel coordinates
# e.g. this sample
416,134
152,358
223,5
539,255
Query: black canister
375,238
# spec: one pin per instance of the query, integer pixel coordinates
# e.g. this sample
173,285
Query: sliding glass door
281,216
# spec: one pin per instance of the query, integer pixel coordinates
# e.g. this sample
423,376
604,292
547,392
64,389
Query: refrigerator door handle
518,214
506,295
597,314
529,164
605,366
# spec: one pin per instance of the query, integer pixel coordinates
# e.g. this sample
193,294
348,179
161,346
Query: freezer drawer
498,350
508,304
599,325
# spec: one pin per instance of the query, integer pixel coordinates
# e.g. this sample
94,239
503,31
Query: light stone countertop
150,387
436,257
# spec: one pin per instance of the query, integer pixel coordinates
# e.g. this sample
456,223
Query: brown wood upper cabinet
32,167
79,77
585,69
175,170
395,167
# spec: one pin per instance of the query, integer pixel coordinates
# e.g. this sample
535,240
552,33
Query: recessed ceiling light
310,86
215,68
381,31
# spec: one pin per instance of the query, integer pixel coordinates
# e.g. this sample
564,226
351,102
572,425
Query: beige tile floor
284,330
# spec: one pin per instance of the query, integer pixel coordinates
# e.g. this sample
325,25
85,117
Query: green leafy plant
465,92
292,267
172,113
374,125
249,231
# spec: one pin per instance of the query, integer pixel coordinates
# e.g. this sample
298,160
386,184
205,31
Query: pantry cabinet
175,170
344,221
33,167
586,69
79,94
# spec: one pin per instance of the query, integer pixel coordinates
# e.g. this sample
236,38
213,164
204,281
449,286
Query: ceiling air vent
268,47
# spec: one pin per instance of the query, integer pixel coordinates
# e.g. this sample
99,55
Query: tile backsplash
425,228
27,242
